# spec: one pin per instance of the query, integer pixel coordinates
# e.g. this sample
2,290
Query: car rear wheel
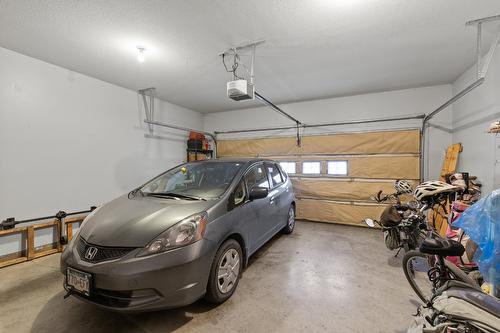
225,272
290,221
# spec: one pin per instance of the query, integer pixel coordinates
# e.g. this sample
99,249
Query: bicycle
401,222
427,269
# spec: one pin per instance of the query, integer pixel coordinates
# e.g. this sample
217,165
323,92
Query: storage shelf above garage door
373,160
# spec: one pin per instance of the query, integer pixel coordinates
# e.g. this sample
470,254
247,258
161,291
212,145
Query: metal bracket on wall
185,129
148,98
482,66
149,110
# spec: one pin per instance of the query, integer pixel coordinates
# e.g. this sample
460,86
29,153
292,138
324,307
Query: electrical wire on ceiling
234,66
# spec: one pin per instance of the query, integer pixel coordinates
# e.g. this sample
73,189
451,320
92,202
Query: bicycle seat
442,247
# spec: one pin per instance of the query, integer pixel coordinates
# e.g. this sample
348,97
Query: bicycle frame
445,270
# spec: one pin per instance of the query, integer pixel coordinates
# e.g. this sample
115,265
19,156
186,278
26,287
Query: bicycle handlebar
380,199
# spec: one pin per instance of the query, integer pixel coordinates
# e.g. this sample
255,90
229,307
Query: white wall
472,116
68,141
367,106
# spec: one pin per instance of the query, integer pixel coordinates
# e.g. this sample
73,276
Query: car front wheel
225,272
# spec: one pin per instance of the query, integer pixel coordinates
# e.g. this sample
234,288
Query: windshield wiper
181,196
162,195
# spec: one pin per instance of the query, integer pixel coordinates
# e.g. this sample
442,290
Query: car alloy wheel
228,271
291,218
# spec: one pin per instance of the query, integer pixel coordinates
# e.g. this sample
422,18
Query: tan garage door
335,175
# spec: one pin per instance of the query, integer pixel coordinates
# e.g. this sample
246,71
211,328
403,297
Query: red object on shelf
196,136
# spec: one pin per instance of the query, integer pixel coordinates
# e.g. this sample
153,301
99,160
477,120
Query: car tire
290,221
225,272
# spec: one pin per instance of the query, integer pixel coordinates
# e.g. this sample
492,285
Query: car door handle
271,201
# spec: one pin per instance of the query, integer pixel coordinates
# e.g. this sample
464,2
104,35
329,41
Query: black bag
390,217
195,144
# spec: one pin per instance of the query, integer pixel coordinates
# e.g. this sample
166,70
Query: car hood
134,222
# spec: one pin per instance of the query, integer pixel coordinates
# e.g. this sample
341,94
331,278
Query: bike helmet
432,188
403,187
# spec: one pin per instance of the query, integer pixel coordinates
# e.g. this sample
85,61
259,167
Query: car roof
245,160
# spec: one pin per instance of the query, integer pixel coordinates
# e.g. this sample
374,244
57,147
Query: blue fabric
482,223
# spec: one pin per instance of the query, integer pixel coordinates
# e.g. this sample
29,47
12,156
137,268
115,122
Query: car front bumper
133,284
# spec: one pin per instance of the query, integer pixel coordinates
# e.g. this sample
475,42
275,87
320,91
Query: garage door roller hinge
149,110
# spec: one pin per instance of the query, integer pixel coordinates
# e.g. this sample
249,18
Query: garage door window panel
311,168
289,167
337,168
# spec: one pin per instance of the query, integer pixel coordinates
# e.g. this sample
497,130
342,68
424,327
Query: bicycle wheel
415,266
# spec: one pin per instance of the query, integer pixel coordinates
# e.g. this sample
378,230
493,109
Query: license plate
78,281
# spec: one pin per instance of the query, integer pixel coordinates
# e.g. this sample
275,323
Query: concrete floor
322,278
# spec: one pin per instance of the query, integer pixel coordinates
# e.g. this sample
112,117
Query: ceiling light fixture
140,56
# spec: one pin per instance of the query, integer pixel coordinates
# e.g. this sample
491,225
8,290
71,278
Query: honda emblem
90,253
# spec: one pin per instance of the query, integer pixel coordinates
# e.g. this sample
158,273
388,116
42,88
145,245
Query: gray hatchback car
185,234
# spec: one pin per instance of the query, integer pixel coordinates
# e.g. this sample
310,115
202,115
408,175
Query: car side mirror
258,193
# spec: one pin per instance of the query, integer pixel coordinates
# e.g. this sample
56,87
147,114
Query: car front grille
99,253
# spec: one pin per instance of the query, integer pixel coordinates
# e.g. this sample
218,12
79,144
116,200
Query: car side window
256,177
240,194
275,174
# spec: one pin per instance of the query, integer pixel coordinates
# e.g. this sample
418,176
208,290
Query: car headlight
183,233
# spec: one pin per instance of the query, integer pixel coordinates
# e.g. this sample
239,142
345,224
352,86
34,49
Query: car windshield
200,180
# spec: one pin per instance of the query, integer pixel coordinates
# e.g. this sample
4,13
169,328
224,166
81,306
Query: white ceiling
314,48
